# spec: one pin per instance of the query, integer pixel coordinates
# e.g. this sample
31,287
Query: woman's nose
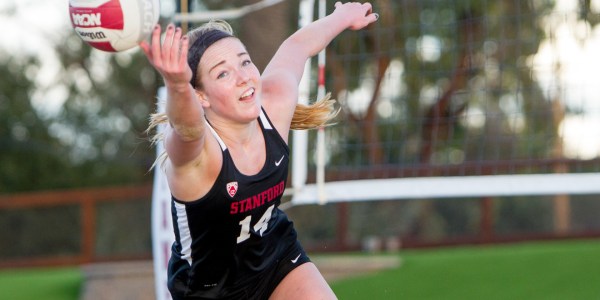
242,76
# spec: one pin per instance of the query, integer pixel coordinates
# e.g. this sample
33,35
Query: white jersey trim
264,120
185,238
214,133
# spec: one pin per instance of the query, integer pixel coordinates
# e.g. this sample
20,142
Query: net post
300,137
320,165
162,227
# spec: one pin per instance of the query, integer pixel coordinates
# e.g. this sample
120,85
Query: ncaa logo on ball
113,25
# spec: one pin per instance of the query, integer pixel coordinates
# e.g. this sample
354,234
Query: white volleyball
113,25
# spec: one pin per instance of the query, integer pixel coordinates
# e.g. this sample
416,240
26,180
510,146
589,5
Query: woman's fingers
167,44
146,49
184,52
155,47
169,58
150,49
359,14
368,7
175,48
165,54
371,16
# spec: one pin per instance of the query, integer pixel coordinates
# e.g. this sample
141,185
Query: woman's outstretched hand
170,57
359,15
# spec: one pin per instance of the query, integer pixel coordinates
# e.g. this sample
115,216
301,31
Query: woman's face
230,81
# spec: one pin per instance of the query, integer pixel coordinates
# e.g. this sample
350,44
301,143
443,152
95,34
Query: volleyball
113,25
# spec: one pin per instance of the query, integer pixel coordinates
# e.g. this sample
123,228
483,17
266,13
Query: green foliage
29,155
106,113
92,135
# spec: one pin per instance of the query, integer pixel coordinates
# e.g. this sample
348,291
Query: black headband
199,46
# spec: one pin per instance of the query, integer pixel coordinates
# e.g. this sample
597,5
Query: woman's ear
203,98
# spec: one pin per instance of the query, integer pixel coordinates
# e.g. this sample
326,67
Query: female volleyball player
227,158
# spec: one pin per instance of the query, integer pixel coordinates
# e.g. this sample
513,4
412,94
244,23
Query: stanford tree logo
232,188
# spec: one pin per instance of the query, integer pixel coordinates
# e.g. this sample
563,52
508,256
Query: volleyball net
458,99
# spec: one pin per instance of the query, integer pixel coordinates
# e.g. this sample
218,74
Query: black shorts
270,279
283,268
262,286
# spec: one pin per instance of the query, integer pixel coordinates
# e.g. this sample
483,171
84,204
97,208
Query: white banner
162,225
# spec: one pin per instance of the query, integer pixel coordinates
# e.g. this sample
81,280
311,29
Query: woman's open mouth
248,94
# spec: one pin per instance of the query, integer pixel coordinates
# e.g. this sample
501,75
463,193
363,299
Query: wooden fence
88,201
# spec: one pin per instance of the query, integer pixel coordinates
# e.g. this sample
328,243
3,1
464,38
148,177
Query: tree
104,118
93,133
29,155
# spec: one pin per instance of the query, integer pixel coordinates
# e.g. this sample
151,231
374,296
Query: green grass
42,284
553,270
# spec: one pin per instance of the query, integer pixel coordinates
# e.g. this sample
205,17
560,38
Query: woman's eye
221,75
246,62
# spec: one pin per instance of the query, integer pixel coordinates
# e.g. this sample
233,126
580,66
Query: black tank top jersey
226,239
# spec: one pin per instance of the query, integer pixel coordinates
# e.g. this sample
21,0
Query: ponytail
315,115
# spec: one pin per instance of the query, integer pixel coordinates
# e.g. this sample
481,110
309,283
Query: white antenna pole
300,137
320,176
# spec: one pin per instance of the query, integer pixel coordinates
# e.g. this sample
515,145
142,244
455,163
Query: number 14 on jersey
260,227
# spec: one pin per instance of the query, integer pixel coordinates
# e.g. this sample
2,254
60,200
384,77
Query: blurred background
434,88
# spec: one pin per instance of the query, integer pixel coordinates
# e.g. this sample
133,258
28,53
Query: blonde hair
318,114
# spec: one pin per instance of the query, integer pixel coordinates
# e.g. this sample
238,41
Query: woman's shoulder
280,111
193,180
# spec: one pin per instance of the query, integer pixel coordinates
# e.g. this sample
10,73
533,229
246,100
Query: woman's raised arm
284,72
184,138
